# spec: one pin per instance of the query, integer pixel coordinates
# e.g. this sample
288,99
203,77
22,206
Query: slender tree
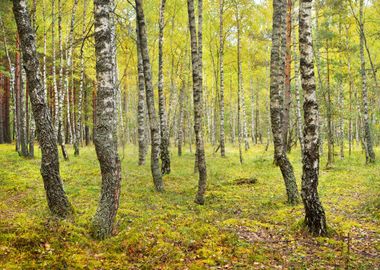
56,197
105,138
370,154
221,70
141,103
315,218
154,125
196,59
297,84
165,155
61,92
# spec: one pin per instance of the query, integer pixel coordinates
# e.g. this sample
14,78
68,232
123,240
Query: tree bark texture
315,218
276,102
154,125
56,197
105,138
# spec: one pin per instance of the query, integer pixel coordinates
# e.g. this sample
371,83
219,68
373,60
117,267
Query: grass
245,226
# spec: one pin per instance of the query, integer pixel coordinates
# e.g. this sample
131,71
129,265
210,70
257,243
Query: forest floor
241,226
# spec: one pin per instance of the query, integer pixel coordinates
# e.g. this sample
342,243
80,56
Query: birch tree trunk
288,61
253,128
370,154
141,104
154,125
277,76
180,118
22,101
165,155
56,197
222,138
105,138
69,50
61,92
297,85
330,135
54,72
315,218
196,59
82,83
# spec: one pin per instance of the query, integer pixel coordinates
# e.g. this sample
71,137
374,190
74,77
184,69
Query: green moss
239,225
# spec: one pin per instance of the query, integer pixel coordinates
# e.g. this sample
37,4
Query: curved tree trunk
315,218
276,101
154,125
105,138
56,197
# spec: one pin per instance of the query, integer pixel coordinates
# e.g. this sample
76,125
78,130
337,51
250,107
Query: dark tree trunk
57,200
276,102
196,58
315,218
154,125
106,126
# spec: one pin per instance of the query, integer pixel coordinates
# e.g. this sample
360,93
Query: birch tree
105,137
196,60
277,77
315,218
154,125
57,200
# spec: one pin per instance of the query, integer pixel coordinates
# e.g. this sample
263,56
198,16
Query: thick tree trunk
165,155
154,125
277,76
57,200
106,125
196,59
222,139
315,218
370,154
141,105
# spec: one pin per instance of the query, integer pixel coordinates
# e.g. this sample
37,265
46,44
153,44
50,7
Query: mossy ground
240,226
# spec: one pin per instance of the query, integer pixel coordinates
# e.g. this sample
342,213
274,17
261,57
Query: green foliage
247,226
